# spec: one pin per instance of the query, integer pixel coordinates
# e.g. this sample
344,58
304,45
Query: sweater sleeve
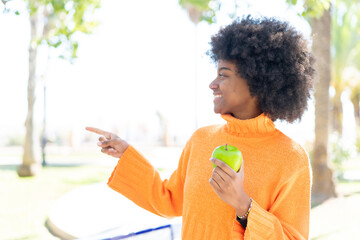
135,178
287,218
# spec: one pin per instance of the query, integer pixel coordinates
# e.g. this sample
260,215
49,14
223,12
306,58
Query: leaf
63,19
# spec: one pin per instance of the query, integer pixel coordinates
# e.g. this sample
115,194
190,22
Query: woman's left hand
229,186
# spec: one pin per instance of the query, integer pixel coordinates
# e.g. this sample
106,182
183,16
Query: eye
221,75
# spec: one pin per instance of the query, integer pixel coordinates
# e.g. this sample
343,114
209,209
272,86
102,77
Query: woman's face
231,93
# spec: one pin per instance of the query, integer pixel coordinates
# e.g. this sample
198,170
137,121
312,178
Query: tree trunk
323,181
30,164
355,101
337,113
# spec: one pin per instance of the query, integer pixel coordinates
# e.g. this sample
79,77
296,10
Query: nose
214,84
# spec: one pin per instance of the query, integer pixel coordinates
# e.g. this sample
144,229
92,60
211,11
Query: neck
247,115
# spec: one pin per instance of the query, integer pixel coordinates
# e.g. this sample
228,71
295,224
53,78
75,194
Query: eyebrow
224,68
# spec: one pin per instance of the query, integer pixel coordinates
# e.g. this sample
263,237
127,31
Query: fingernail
99,143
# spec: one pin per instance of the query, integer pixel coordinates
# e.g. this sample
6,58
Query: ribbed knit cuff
260,221
130,172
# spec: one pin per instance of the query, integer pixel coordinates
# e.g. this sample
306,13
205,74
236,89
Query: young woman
265,73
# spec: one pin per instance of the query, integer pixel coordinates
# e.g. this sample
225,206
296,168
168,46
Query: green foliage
340,152
62,19
312,8
202,5
345,47
345,37
315,8
209,8
206,8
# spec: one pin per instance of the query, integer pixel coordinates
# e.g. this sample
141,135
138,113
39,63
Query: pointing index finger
99,131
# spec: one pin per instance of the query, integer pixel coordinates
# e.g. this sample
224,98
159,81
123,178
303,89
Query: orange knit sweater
277,176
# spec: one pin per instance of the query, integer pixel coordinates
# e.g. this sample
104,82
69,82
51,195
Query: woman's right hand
110,143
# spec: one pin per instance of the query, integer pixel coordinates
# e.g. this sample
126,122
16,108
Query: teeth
216,96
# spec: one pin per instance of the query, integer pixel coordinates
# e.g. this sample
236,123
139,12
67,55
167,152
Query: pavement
97,212
336,218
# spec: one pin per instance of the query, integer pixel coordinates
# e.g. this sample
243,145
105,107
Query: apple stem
226,147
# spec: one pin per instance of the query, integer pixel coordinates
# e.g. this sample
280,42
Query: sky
145,57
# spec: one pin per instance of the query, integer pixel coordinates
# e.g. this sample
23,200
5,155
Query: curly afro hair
275,61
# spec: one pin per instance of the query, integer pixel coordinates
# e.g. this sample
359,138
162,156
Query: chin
219,111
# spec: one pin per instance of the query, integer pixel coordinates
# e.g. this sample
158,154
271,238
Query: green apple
229,155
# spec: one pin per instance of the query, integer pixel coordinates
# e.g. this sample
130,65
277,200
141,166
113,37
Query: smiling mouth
217,98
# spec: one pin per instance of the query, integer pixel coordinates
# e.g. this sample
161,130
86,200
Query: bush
15,140
340,152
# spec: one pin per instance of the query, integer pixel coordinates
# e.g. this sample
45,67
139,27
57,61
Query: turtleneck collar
259,124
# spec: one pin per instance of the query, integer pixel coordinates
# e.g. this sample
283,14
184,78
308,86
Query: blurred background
140,69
